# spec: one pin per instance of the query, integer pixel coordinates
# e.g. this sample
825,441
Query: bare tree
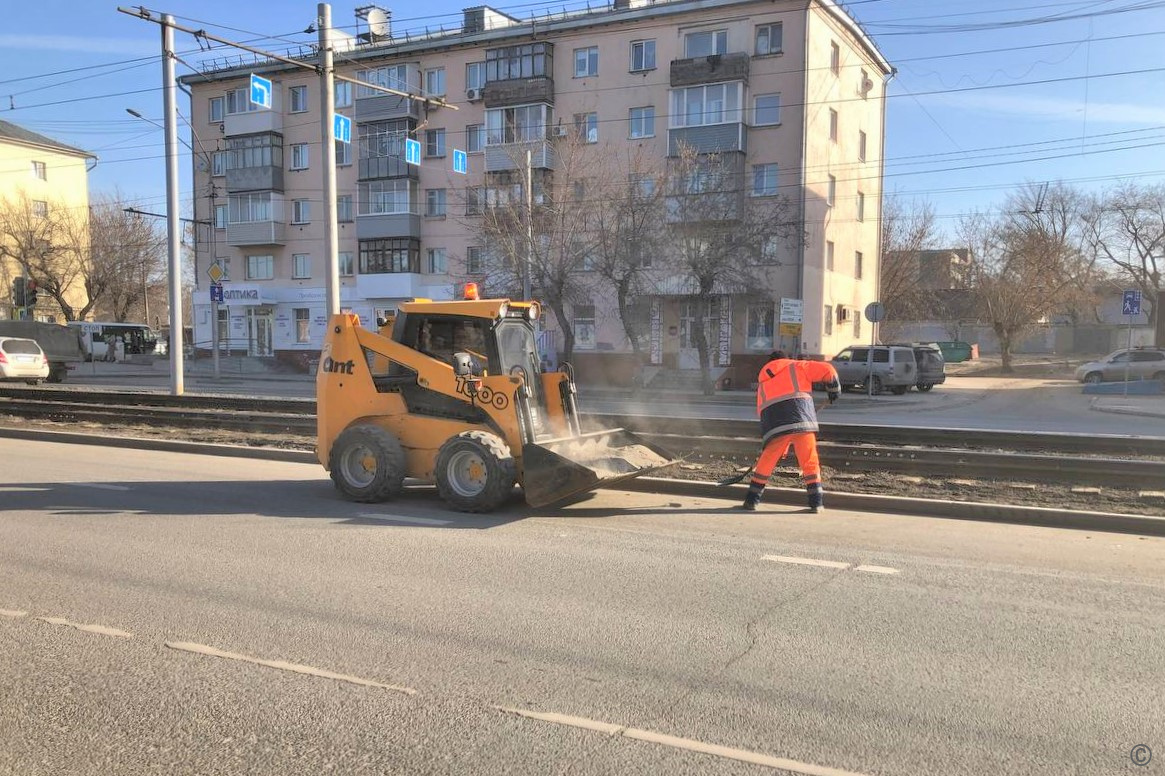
1126,229
907,230
128,259
48,241
718,238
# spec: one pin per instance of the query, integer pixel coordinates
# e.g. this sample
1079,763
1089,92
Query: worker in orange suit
784,402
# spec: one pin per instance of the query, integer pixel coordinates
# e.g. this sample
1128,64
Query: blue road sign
216,292
260,91
412,151
1132,303
342,128
460,162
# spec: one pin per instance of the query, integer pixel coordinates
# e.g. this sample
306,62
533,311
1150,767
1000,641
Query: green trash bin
955,352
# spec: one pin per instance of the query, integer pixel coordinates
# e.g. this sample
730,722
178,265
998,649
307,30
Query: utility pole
328,157
173,225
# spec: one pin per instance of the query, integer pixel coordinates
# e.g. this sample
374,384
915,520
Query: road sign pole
173,223
1129,355
328,154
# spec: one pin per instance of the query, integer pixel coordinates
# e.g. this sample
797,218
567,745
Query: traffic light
30,293
18,292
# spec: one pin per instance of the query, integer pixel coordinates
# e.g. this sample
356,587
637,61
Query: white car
1138,364
22,359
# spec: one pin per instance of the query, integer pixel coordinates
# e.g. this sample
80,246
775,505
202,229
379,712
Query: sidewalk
1144,406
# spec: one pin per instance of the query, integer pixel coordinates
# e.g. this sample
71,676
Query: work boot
750,502
816,497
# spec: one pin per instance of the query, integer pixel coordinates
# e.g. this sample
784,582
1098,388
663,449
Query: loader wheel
475,472
367,463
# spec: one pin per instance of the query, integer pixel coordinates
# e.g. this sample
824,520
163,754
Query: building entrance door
260,323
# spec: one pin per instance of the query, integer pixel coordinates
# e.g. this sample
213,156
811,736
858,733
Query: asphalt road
821,644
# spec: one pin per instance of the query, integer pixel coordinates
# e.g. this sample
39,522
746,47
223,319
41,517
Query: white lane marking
98,486
829,564
102,630
202,649
12,613
405,519
876,569
692,745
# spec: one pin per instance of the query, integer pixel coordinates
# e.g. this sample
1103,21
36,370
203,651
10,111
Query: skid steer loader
452,393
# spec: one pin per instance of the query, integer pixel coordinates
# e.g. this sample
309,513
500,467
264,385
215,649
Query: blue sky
988,95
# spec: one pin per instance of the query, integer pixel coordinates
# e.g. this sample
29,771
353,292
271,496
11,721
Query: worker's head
777,354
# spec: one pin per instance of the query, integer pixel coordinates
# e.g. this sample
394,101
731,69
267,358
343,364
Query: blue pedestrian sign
342,128
1132,303
260,91
412,151
460,162
216,292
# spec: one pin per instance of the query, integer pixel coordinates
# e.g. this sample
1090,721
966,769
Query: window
39,171
300,211
643,121
347,266
766,110
642,55
475,75
435,203
768,39
703,44
220,216
239,101
302,324
395,196
764,180
297,97
703,105
835,58
473,200
343,154
250,208
828,319
473,261
512,62
642,185
379,257
300,266
858,265
438,261
435,82
861,145
381,139
831,193
759,332
586,62
434,142
474,138
215,109
584,326
391,77
519,124
770,250
343,94
218,163
250,151
299,156
833,125
260,267
829,255
861,206
344,208
587,127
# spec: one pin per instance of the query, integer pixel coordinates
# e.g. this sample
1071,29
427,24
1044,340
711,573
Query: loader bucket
558,469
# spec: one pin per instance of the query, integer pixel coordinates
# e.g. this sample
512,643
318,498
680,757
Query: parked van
894,368
932,366
98,338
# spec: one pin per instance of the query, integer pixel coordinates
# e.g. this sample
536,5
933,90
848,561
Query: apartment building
44,189
793,91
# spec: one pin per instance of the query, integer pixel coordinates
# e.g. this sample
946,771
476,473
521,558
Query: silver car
894,368
1138,363
22,359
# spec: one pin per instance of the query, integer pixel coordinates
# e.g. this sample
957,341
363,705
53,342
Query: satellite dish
378,22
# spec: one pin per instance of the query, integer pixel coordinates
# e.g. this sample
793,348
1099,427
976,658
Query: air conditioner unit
867,85
222,128
473,95
560,131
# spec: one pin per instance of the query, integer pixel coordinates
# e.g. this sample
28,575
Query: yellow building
44,187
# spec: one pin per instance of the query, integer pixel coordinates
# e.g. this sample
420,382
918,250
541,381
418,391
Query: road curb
1049,517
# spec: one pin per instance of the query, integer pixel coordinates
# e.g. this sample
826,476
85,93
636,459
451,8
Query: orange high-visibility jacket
784,399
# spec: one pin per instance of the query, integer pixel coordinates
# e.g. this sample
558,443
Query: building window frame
583,323
435,142
528,60
39,170
760,327
387,197
253,207
764,179
220,216
390,256
215,109
297,99
706,43
834,58
642,121
474,138
586,126
586,62
861,206
347,261
642,55
861,145
828,321
706,105
438,261
766,34
343,94
435,82
769,113
474,75
436,203
474,260
833,122
301,211
300,266
343,154
517,123
344,211
261,267
302,317
859,259
300,156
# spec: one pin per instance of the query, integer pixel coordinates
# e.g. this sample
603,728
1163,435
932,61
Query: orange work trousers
804,446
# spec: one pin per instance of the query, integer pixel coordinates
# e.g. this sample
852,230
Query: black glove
834,396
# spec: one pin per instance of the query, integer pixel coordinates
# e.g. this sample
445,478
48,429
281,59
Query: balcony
375,167
255,121
381,107
266,178
256,233
395,225
709,70
518,91
391,285
512,156
709,139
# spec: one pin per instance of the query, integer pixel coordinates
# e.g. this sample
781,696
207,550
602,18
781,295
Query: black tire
1094,378
33,382
924,387
367,463
57,373
900,390
475,472
877,385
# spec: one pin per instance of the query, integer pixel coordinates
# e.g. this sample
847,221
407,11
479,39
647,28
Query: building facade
792,92
44,189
